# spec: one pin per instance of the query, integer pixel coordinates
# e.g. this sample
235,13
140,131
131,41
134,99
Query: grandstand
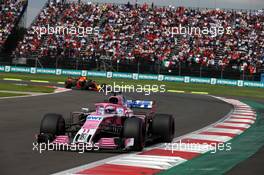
11,14
133,36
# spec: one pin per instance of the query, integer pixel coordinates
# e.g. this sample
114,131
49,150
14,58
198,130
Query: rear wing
143,104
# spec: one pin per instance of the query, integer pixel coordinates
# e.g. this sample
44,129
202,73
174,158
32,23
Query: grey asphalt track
20,119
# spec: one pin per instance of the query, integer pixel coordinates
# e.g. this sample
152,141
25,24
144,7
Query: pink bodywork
63,139
105,143
91,124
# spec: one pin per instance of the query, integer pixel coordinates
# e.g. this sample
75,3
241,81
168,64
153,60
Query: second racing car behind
83,83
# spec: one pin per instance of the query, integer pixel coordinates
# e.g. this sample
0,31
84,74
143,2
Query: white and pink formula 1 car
113,125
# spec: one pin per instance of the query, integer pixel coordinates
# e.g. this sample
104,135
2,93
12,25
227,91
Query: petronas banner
134,76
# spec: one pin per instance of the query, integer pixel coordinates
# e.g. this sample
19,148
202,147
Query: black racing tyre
52,124
88,85
45,138
68,85
134,128
84,85
163,125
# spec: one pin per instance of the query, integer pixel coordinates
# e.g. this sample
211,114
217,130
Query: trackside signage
2,68
147,77
200,80
96,74
46,71
254,84
134,76
71,72
227,82
20,69
122,75
174,78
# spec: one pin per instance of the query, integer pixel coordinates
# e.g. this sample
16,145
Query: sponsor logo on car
94,118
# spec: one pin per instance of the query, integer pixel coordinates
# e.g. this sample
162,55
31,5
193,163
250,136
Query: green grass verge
3,94
22,88
211,89
51,78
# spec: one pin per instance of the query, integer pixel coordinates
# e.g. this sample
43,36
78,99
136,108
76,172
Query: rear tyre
89,85
84,85
163,126
134,128
52,124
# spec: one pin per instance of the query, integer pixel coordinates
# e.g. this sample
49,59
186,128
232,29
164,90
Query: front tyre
51,126
163,125
134,128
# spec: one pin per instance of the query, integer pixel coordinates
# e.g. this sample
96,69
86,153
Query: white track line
156,162
216,138
34,95
239,120
225,130
235,125
243,116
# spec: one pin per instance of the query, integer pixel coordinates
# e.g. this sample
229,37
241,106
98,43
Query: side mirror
85,109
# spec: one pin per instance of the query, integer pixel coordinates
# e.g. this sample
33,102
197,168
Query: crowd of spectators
242,47
10,10
140,32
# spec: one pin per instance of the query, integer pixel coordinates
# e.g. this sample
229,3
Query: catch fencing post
138,67
201,70
180,68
